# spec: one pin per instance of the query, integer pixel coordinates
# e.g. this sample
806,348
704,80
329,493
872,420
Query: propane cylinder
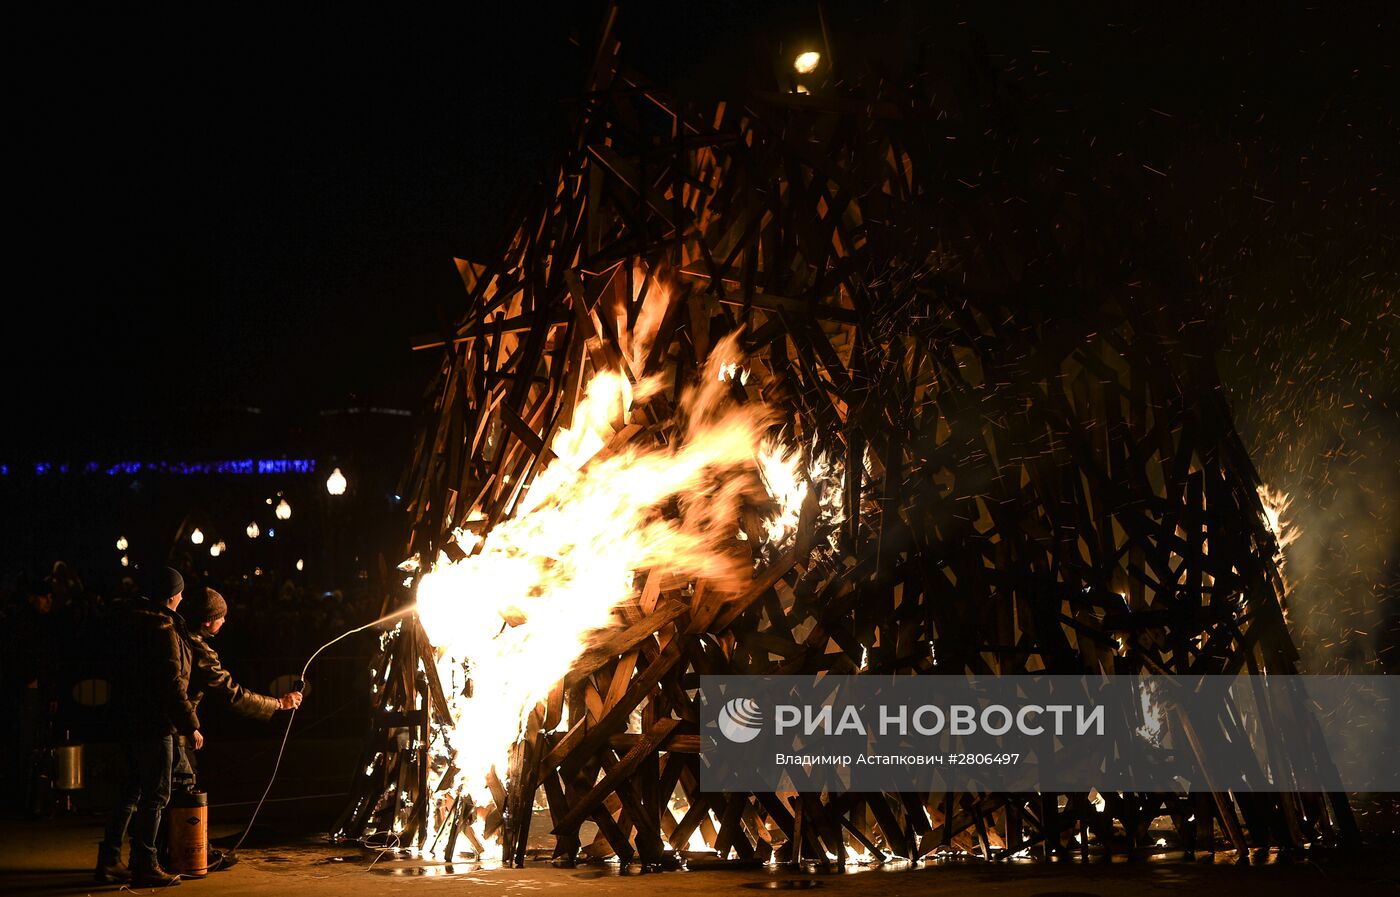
68,766
188,815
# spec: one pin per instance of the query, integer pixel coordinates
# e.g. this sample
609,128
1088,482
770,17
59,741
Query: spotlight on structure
284,510
806,63
197,536
335,483
253,531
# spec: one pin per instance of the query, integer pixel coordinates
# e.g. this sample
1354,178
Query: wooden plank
641,750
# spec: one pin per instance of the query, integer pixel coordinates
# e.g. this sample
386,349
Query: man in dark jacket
204,613
149,682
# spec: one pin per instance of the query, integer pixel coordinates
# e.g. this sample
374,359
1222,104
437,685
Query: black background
231,206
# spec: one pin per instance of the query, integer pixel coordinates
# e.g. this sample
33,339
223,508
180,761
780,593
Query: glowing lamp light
253,531
122,544
126,561
806,63
197,536
301,565
216,549
284,510
335,483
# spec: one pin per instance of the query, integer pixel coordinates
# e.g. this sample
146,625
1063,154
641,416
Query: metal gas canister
188,816
68,766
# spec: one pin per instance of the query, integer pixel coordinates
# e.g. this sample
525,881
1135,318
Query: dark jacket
30,656
151,673
210,677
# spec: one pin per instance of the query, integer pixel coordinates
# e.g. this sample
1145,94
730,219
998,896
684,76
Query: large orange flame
531,594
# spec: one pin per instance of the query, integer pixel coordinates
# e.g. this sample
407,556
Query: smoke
1313,384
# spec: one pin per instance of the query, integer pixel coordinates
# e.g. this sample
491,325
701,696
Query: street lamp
197,536
122,544
253,531
284,510
216,549
335,483
806,63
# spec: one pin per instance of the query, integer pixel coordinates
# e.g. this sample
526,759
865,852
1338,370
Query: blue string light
234,467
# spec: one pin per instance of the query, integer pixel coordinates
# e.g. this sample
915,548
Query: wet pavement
55,857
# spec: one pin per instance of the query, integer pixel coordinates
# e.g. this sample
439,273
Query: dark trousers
144,793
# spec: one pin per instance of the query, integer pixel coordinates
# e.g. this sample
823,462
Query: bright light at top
122,544
253,531
805,63
197,536
284,510
335,483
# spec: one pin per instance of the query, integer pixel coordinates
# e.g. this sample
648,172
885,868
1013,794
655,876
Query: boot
111,873
154,877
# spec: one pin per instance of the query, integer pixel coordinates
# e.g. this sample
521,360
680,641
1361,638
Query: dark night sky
246,206
252,209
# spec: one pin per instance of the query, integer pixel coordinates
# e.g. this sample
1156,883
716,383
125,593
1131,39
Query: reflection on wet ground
1161,868
53,860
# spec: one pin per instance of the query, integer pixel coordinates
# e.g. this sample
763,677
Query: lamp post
336,485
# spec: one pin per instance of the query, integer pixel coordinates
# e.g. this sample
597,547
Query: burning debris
1283,530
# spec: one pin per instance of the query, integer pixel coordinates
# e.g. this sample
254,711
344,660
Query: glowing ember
733,371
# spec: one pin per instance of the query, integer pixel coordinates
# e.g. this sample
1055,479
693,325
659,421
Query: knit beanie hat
164,583
199,609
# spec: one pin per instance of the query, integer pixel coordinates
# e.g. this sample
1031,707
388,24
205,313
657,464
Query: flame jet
524,603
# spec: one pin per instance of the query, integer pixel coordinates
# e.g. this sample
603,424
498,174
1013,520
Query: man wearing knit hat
149,682
205,611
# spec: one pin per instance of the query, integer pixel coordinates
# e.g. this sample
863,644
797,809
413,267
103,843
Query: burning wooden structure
1038,470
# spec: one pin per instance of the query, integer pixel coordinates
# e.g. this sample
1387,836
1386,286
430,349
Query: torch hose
277,764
